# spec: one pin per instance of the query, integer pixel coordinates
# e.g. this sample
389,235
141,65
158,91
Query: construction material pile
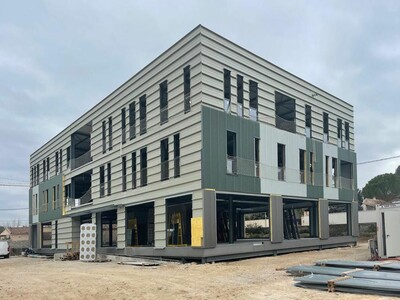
361,277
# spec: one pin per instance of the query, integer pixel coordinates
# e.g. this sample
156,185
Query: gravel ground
258,278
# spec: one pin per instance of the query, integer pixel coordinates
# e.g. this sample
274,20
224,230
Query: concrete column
121,226
354,219
323,219
276,219
209,219
160,241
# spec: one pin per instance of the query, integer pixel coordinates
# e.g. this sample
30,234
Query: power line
377,160
2,209
14,185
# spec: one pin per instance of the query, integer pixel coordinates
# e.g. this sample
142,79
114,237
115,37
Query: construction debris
139,264
380,278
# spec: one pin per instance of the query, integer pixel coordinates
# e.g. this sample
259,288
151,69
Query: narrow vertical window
142,113
44,169
101,181
326,127
103,136
124,173
132,120
134,170
339,132
231,153
281,162
346,135
37,173
164,102
186,89
177,154
61,160
53,198
327,179
143,167
227,90
311,162
239,83
56,161
308,120
110,138
32,180
123,125
108,179
48,168
334,172
164,159
302,165
253,86
257,157
58,196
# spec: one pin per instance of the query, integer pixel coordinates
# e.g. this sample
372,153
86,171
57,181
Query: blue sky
60,58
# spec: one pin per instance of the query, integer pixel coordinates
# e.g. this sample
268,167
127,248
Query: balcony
81,160
78,202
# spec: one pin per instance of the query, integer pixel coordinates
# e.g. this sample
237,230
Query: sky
60,58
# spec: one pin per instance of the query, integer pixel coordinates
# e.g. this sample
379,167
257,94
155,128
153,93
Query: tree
397,172
385,187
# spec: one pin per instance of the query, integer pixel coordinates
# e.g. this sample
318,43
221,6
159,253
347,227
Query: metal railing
284,124
84,199
231,164
227,105
302,175
253,114
164,115
187,103
81,160
281,173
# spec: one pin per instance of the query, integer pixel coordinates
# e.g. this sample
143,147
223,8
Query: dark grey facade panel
209,219
315,190
354,219
51,214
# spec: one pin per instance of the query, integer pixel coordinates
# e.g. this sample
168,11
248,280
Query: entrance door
391,233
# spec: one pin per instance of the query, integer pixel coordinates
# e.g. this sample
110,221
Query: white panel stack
87,246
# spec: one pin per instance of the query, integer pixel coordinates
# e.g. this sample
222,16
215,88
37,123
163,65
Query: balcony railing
81,160
187,102
302,177
164,115
253,113
284,124
227,105
281,173
231,164
346,183
132,131
84,199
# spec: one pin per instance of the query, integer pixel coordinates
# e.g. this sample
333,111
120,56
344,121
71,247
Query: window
311,162
164,159
257,157
231,153
179,215
132,120
60,160
186,89
327,179
44,169
346,175
123,125
110,133
103,136
124,173
239,83
177,153
53,198
134,170
339,132
285,112
326,127
108,179
164,102
37,173
143,167
69,157
48,168
302,165
45,200
101,181
142,114
281,162
334,172
308,120
109,229
58,196
294,211
227,90
340,211
253,86
140,225
346,134
56,161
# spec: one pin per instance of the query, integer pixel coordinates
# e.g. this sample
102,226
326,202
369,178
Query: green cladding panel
315,190
215,125
50,214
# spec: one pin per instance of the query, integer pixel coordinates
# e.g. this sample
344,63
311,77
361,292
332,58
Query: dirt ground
258,278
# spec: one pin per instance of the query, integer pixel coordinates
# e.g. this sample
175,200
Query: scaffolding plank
383,265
